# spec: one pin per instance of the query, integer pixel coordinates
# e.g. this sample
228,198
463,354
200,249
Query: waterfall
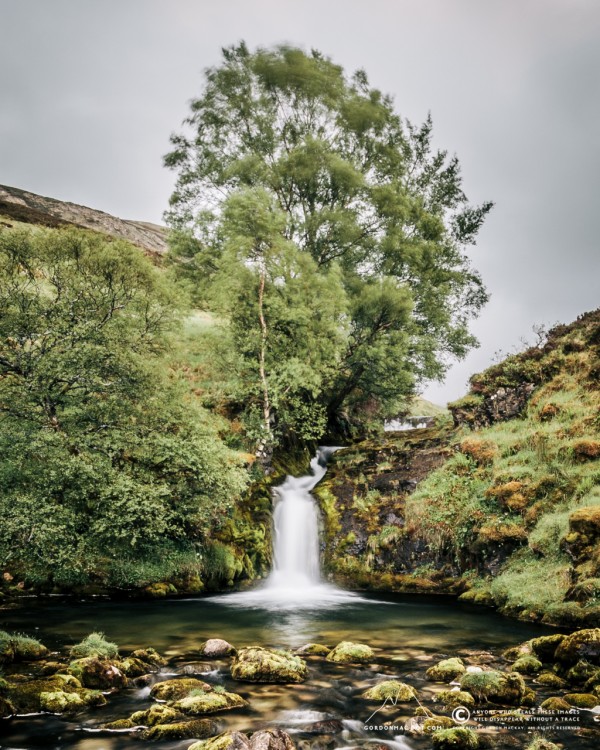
295,581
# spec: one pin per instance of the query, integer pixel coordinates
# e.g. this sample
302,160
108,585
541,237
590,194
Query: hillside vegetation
511,514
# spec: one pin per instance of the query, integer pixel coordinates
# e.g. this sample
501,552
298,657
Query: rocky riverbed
539,694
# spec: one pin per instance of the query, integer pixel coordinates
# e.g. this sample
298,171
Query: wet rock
347,652
15,647
60,702
545,646
527,665
215,648
581,673
327,726
454,698
495,687
458,738
149,656
171,690
258,664
132,667
392,689
446,670
6,708
516,652
160,590
181,730
271,739
208,702
540,743
94,672
224,741
313,649
550,679
581,700
555,704
435,723
32,695
157,714
583,644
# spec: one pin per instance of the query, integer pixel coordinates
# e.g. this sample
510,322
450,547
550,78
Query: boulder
256,664
545,646
396,691
495,687
156,714
208,702
225,741
446,670
181,730
149,656
583,644
94,672
458,738
171,690
14,647
59,702
550,679
527,665
215,648
555,704
454,698
313,649
581,700
271,739
347,652
48,694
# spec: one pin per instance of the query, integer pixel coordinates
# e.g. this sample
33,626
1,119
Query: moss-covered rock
550,679
202,702
256,664
495,687
156,714
527,665
172,690
95,644
94,672
435,723
458,738
160,590
215,648
181,730
149,656
313,649
516,652
224,741
347,652
132,667
15,647
393,689
6,708
545,646
454,698
555,704
581,672
37,695
581,700
583,644
59,702
540,743
446,670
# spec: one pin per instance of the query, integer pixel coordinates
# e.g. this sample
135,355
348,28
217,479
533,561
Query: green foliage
106,458
342,233
95,644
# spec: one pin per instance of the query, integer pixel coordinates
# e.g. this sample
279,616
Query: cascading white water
295,581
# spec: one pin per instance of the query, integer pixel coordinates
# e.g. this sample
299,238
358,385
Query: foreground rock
497,687
61,693
446,670
264,739
347,652
14,647
94,672
209,702
215,648
396,691
257,664
171,690
584,644
181,730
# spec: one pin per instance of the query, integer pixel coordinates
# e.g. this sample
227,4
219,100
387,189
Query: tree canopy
104,457
362,208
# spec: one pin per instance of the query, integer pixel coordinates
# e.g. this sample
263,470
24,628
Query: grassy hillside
511,514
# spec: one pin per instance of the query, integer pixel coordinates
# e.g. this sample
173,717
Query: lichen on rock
257,664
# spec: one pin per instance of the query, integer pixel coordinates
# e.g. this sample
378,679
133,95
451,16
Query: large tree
105,461
358,189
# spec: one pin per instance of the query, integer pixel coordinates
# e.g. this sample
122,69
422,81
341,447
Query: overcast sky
91,89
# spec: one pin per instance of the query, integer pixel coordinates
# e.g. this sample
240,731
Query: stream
291,608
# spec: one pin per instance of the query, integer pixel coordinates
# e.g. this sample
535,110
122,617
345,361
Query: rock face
257,664
499,406
31,208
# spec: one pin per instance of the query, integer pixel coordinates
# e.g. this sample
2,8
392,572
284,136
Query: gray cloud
91,89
